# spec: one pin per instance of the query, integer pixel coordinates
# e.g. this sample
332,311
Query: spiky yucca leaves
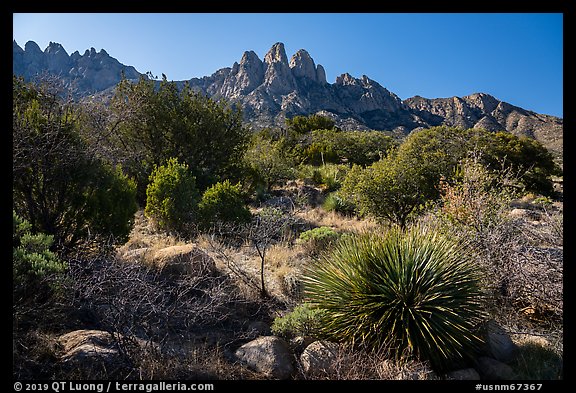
412,291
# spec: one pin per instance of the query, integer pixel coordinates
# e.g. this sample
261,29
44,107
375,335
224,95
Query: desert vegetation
159,238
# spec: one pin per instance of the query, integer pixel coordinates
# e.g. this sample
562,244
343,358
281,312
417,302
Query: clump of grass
413,291
335,203
318,239
537,360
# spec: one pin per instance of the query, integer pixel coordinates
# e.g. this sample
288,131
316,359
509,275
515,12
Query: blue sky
518,58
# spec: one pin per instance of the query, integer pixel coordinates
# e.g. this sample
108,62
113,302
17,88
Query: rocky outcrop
89,346
94,351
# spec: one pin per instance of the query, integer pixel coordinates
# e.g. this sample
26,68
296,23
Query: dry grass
340,223
145,235
359,364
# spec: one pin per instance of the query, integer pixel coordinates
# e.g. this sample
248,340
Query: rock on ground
268,355
318,357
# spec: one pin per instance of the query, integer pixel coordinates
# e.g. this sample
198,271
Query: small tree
172,196
59,185
268,162
160,120
266,229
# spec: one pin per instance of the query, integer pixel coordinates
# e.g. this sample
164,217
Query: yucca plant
411,291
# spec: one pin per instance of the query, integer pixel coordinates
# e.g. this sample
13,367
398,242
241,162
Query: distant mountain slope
272,89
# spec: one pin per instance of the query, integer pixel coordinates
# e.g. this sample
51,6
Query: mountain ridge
275,87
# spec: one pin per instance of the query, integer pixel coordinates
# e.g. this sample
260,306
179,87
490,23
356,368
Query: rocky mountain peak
302,65
278,78
274,89
32,48
90,73
320,74
276,54
250,58
54,48
16,48
243,77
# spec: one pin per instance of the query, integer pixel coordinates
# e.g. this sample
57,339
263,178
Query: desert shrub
223,202
332,175
475,199
542,201
351,147
413,291
306,124
302,321
113,204
318,239
32,259
537,360
172,196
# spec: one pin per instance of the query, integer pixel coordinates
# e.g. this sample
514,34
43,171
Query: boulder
96,350
492,369
320,356
499,345
82,344
138,254
268,355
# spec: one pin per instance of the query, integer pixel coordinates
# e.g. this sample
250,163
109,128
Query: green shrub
223,202
113,204
171,196
413,292
32,259
317,239
302,321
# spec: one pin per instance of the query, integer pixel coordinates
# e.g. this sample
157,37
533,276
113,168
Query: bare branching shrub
522,256
138,302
